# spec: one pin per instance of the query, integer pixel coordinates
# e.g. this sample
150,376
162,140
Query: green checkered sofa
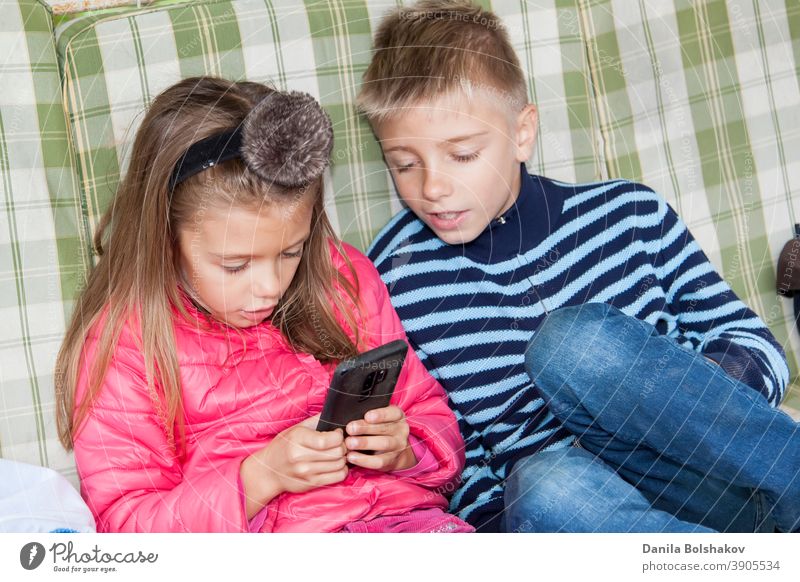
699,100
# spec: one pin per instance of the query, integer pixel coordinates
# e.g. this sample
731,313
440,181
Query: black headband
286,139
207,153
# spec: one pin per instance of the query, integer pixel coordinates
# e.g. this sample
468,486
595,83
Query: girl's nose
267,285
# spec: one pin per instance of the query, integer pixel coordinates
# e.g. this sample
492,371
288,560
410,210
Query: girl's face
239,261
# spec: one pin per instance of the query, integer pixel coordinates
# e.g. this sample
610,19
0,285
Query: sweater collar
531,219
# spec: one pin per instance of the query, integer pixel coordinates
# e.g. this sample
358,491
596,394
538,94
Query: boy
604,281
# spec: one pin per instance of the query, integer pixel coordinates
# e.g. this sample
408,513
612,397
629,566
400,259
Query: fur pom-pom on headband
286,139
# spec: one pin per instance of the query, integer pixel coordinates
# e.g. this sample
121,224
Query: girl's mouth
258,316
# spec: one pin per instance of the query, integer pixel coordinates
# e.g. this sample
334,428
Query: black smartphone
362,384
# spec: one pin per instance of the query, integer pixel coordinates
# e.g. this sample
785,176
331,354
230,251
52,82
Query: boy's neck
516,186
527,221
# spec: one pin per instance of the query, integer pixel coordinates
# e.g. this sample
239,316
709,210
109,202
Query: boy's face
455,161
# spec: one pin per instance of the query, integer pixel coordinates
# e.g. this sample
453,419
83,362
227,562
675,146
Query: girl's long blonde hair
137,277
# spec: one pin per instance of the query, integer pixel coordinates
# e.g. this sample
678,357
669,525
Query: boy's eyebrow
452,140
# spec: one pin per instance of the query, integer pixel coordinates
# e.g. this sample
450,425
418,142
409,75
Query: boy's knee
574,336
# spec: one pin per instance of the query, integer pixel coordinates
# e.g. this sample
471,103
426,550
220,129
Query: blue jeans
667,441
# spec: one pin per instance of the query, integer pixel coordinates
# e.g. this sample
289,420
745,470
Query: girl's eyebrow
224,256
452,140
299,241
250,256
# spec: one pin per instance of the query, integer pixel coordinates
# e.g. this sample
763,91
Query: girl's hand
297,459
385,431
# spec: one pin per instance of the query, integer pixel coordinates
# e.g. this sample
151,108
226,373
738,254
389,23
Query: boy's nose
435,185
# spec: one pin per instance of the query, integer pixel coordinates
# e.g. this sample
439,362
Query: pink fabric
254,523
240,389
426,462
418,521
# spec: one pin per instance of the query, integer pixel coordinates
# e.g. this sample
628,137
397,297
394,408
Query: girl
199,355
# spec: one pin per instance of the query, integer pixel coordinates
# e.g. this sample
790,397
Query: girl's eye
236,269
293,254
465,158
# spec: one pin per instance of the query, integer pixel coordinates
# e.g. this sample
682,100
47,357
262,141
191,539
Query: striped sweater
469,310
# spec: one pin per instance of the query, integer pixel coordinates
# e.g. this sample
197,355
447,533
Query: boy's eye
235,269
400,168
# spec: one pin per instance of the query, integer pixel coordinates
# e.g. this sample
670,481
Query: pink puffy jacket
240,389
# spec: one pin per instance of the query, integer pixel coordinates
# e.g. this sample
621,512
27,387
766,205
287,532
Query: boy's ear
527,125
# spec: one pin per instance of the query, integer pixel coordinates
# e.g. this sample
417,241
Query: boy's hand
385,431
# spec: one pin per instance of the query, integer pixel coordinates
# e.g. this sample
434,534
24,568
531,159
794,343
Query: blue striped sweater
470,310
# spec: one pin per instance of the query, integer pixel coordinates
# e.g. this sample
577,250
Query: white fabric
39,500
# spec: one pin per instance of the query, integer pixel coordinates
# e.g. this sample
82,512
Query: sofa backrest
42,263
114,66
699,100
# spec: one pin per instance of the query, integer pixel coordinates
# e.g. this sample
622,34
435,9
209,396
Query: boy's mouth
446,220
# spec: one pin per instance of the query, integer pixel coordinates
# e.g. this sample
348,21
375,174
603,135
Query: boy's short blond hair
437,48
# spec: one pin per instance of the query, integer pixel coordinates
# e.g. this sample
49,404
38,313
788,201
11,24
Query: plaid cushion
648,93
70,6
114,65
700,101
41,262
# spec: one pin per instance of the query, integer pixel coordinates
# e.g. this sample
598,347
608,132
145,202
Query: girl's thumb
311,422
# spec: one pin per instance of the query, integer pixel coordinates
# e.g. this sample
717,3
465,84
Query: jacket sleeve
130,476
417,393
711,318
